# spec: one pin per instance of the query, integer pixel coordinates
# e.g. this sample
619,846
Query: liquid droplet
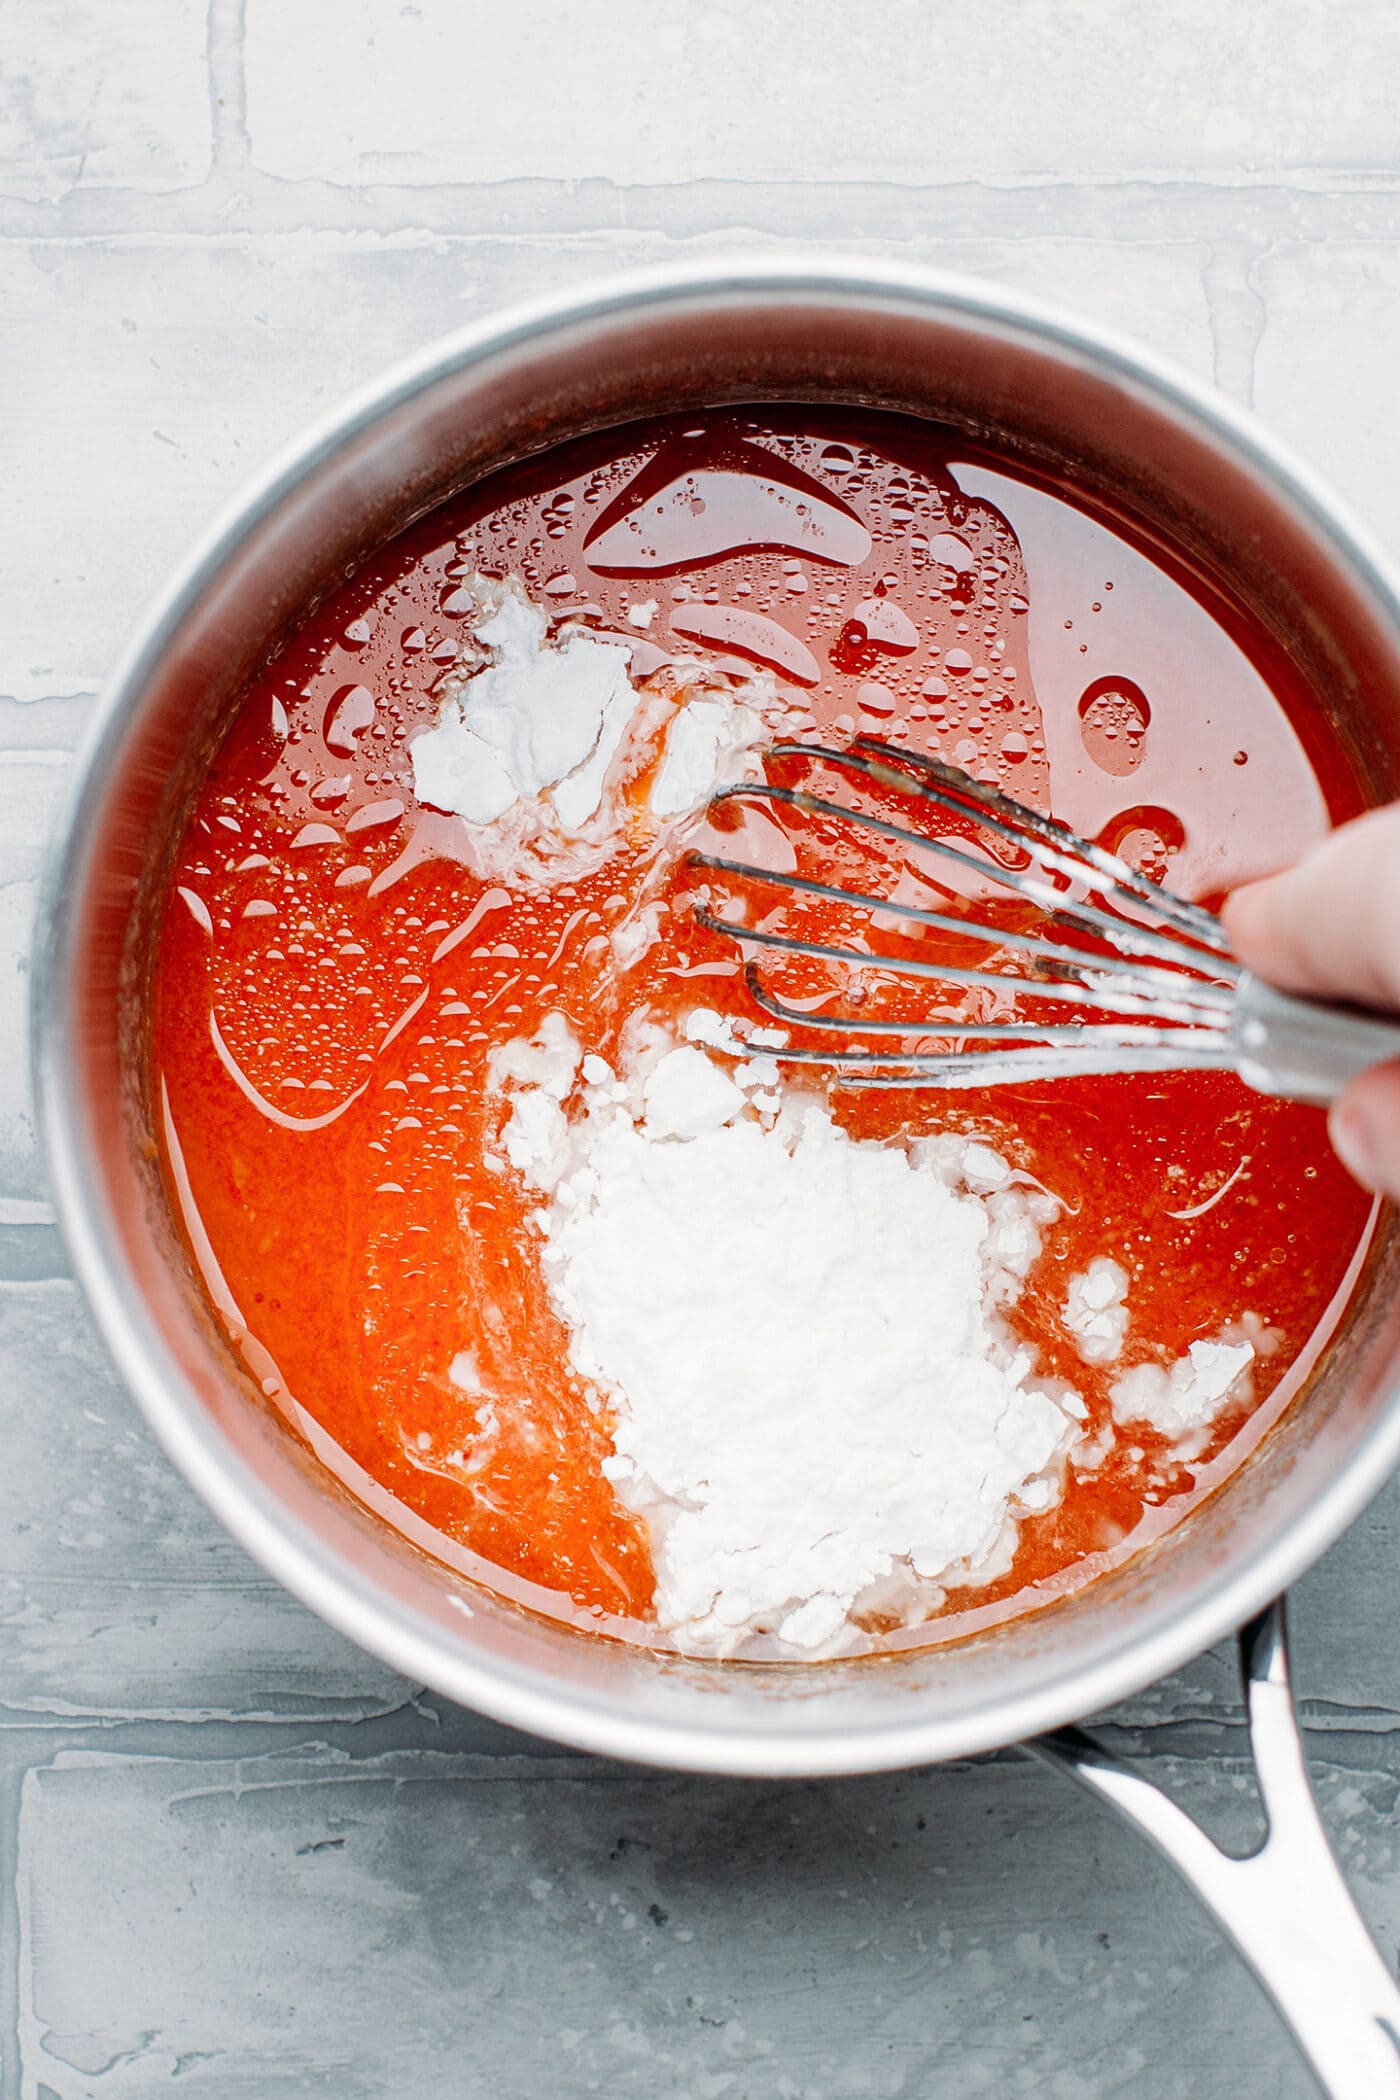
1146,838
884,625
1113,719
372,816
348,717
751,634
710,512
952,553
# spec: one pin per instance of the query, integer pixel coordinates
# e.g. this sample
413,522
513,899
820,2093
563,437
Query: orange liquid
333,978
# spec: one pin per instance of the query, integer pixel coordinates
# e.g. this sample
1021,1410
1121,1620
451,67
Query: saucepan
1071,400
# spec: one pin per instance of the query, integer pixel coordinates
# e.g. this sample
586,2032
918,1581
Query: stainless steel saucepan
1066,398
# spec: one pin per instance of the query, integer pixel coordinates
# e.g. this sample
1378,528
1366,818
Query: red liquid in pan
331,979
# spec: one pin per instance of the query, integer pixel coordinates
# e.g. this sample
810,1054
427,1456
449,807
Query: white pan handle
1285,1907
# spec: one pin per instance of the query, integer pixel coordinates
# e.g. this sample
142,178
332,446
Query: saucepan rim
305,1564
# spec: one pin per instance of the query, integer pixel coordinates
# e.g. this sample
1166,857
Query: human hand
1330,927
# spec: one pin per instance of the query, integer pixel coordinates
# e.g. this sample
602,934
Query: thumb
1365,1128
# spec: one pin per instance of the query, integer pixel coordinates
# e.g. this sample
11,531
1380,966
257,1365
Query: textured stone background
237,1858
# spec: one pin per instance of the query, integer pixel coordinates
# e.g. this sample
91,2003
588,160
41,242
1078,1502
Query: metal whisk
1144,981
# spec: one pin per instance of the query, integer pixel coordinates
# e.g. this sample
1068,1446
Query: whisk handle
1301,1048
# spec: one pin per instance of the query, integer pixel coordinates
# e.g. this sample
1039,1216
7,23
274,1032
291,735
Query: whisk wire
1159,966
1171,983
951,1027
1065,990
1019,825
1086,918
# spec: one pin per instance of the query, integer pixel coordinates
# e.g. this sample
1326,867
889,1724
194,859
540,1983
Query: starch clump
795,1334
1096,1310
532,748
540,719
1175,1399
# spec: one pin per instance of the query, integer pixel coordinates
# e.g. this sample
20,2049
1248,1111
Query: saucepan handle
1285,1906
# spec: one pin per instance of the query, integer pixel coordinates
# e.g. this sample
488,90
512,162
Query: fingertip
1365,1129
1256,933
1245,914
1326,926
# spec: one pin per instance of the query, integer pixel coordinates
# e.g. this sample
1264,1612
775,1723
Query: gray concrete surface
238,1859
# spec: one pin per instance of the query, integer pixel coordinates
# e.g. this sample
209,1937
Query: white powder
705,745
983,1169
537,720
688,1094
1096,1311
465,1372
634,935
540,1073
530,749
794,1329
1186,1395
